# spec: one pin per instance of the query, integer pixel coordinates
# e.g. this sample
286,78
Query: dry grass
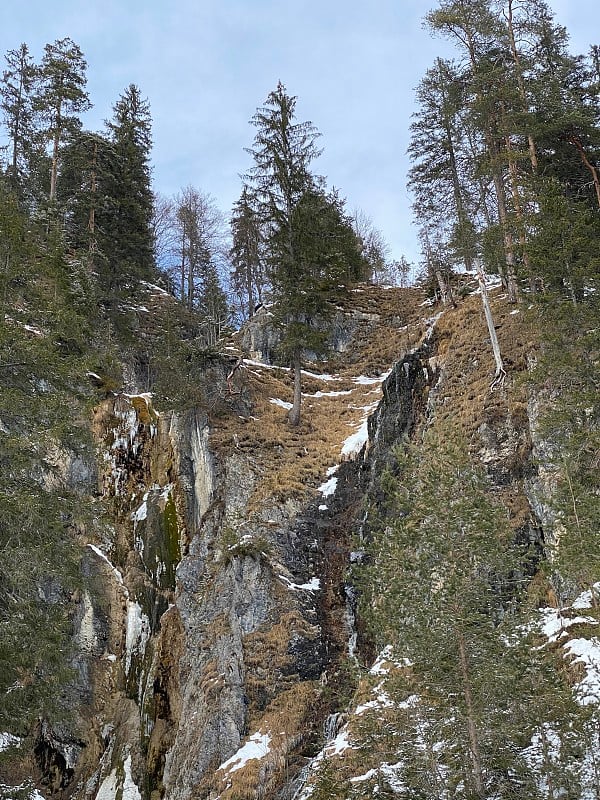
287,724
267,661
292,461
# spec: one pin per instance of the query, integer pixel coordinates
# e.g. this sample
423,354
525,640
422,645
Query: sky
205,66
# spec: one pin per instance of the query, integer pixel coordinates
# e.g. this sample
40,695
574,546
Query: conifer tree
321,256
61,97
441,175
444,569
130,192
247,252
304,268
88,167
213,306
479,34
16,94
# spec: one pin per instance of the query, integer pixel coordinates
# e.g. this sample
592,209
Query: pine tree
61,97
324,256
481,36
213,306
16,94
441,175
88,167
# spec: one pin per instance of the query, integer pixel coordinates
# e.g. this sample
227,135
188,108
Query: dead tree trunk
500,375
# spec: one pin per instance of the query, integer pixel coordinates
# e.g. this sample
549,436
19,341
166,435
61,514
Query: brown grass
287,724
293,461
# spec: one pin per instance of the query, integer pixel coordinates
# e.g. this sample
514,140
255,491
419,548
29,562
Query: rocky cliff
219,648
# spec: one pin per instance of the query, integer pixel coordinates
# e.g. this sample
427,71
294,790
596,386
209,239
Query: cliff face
216,627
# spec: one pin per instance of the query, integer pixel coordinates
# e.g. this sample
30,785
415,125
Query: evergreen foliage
312,250
16,93
247,253
131,256
61,97
499,135
445,589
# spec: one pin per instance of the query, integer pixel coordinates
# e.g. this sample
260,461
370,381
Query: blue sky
205,66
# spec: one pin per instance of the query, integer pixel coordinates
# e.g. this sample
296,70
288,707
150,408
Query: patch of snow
112,788
141,513
30,791
543,749
382,700
254,363
332,470
364,380
8,740
321,376
587,652
516,311
137,633
328,488
554,625
340,744
145,396
387,657
354,443
109,787
282,403
367,776
313,585
115,571
323,507
32,329
130,788
585,599
153,287
256,747
329,394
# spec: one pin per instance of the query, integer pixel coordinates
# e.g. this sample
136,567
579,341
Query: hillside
207,602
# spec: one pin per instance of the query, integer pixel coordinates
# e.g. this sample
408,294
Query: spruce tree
305,267
130,227
247,252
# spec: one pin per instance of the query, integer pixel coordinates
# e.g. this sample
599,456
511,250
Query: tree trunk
509,247
249,291
294,412
478,781
520,82
576,141
514,185
55,147
182,267
500,371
